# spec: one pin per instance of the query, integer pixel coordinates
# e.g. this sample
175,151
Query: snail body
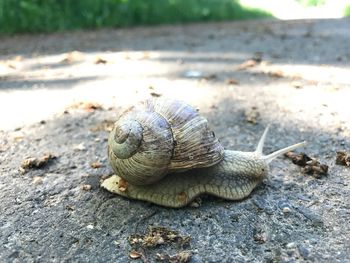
227,174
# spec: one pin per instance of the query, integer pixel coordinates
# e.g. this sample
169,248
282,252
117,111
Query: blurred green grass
347,11
312,2
17,16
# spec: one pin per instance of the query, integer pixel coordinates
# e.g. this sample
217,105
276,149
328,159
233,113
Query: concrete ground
60,92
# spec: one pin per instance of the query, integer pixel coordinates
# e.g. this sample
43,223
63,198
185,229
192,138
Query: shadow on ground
48,216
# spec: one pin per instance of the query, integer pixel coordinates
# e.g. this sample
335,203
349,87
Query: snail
164,152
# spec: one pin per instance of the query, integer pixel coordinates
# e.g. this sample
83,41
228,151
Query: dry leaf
86,187
310,165
315,169
18,138
91,106
181,257
36,163
232,82
135,255
72,57
276,73
69,207
37,180
123,185
88,106
157,236
247,64
210,76
299,159
343,158
252,115
79,147
96,165
297,84
100,60
105,125
155,94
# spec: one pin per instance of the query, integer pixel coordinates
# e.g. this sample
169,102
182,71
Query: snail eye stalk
274,155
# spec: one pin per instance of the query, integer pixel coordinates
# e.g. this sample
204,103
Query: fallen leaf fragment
37,180
258,56
247,64
86,187
260,237
72,57
105,125
315,168
299,159
69,207
276,73
100,60
252,115
297,84
104,177
122,185
343,158
85,105
135,255
210,76
36,163
158,236
155,94
91,106
232,82
197,202
18,138
96,165
181,257
79,147
310,165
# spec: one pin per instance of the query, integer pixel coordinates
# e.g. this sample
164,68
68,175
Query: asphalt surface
58,92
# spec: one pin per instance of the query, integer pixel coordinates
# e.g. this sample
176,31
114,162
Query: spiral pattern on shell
158,137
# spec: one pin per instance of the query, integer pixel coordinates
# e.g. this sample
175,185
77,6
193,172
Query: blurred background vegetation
18,16
347,11
55,15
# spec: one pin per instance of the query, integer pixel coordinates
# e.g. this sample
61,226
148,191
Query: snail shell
158,137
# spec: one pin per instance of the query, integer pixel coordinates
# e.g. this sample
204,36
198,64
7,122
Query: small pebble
37,180
290,245
286,210
260,236
79,147
303,251
90,227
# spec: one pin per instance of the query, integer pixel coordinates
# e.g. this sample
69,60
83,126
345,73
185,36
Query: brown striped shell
158,137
